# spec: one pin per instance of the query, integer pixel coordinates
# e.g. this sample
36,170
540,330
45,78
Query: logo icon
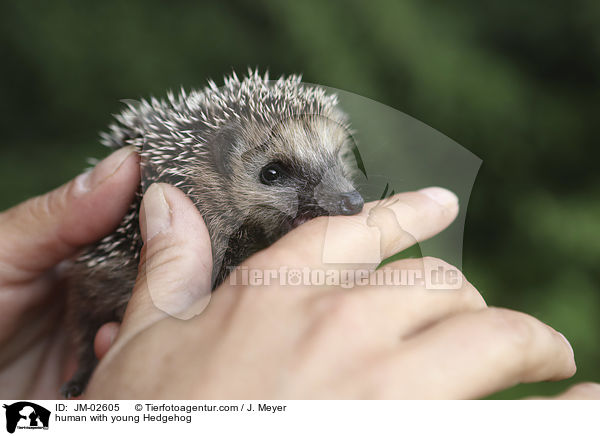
26,415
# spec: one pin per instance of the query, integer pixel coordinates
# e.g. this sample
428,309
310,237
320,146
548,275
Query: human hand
276,341
35,237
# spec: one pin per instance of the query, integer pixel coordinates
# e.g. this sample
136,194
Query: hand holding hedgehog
36,236
329,342
369,362
256,159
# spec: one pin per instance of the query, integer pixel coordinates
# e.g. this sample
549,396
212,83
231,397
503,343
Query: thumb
175,272
41,232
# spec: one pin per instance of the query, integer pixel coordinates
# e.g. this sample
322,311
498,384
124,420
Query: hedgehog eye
271,173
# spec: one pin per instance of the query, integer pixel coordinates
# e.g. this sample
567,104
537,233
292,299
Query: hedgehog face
257,158
291,172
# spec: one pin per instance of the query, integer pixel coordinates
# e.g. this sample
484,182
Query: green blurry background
515,82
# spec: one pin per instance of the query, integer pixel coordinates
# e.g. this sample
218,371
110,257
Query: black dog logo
26,415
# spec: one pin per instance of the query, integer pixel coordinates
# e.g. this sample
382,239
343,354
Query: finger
174,277
581,391
477,353
403,301
41,232
104,338
363,240
380,315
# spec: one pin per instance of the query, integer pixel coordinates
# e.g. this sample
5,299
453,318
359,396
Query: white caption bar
301,417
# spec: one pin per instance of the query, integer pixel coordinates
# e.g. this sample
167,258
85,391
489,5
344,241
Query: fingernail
568,343
156,213
441,196
103,170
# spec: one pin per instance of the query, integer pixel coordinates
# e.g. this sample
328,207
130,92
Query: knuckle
164,253
44,206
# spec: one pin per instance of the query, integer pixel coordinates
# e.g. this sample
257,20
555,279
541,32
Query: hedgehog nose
351,203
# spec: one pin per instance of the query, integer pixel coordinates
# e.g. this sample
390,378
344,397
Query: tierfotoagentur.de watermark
429,277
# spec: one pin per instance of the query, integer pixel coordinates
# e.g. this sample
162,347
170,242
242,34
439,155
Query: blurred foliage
515,82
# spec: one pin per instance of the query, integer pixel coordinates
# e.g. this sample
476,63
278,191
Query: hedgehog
257,157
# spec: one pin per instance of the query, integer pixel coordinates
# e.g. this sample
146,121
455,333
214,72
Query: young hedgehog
257,158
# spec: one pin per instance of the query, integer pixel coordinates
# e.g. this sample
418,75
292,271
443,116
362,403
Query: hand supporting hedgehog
329,342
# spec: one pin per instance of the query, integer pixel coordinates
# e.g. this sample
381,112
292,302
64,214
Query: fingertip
442,196
105,338
571,367
96,210
105,169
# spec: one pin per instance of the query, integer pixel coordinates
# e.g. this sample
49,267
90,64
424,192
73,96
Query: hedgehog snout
350,203
341,203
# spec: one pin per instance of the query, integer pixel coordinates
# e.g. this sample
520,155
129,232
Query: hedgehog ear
221,146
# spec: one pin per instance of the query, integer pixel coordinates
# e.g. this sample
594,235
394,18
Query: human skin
254,341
